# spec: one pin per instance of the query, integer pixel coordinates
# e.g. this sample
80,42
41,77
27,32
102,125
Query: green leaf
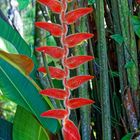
127,136
11,35
7,46
26,127
51,41
21,62
22,90
118,38
23,4
129,64
58,83
91,2
114,74
136,25
5,130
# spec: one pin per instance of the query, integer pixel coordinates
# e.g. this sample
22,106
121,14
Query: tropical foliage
79,52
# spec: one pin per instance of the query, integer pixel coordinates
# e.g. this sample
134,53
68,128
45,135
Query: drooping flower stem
66,51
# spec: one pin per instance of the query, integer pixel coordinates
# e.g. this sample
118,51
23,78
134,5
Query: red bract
54,29
75,61
54,93
54,72
70,131
55,52
42,69
75,39
79,102
77,81
74,15
56,114
54,5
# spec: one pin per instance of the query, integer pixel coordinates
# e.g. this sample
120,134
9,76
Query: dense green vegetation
115,88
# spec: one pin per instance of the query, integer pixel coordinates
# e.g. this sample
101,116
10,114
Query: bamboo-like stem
104,80
66,51
120,50
130,54
85,112
47,69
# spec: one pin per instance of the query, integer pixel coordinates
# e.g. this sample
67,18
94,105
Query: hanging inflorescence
69,130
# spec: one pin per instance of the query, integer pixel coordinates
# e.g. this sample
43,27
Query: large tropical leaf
26,127
11,35
22,90
5,130
21,62
7,46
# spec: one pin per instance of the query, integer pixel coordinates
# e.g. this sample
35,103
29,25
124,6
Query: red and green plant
69,130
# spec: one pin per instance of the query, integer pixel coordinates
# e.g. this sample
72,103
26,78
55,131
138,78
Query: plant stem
85,112
66,51
104,80
130,54
47,69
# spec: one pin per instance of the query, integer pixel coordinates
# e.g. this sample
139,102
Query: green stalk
104,79
44,57
130,54
120,50
85,112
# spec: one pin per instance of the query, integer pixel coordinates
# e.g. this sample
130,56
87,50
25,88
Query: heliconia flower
77,81
79,102
56,114
54,52
74,15
54,93
70,131
75,61
56,73
54,29
54,5
75,39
